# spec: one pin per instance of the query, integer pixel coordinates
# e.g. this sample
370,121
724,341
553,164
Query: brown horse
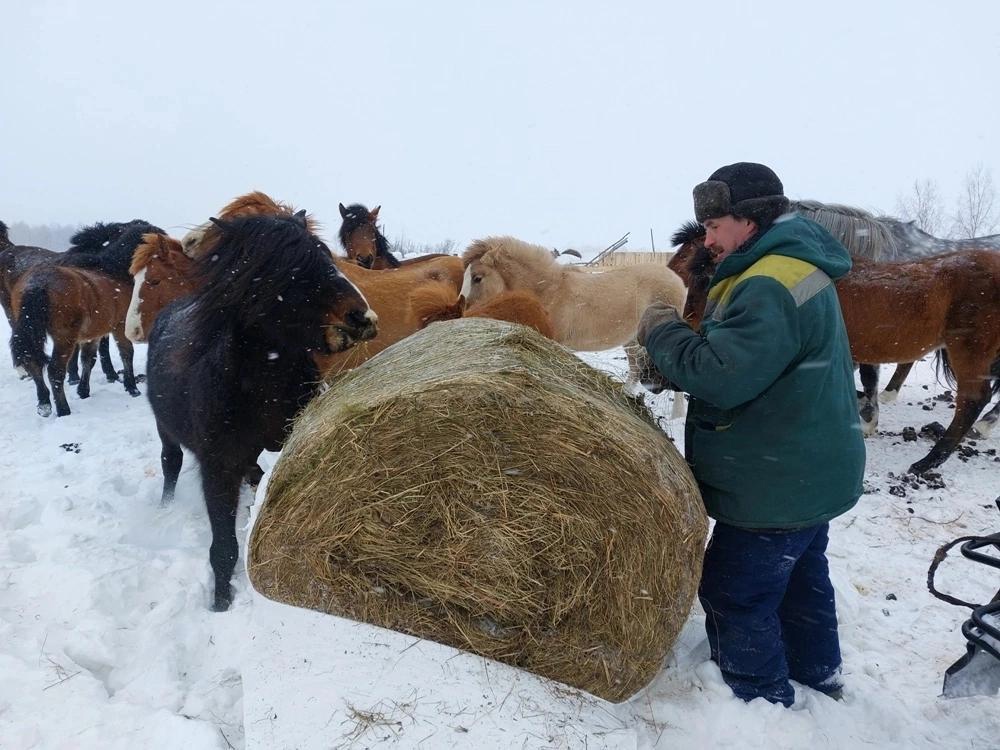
76,299
898,312
163,272
364,242
431,303
590,310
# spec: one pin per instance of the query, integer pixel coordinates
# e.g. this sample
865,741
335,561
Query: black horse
229,366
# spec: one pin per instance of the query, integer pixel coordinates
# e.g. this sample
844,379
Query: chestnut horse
232,364
436,303
898,312
364,242
76,298
590,310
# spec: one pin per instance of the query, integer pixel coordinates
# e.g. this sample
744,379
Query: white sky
562,123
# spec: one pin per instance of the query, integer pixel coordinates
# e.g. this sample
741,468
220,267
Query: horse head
162,272
274,279
200,240
362,240
499,264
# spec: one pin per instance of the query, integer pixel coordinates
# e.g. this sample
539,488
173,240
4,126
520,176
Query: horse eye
152,282
476,279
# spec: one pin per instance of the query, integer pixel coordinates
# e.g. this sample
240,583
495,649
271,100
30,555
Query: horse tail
27,340
942,364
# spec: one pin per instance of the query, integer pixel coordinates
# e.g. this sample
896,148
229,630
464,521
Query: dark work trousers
770,612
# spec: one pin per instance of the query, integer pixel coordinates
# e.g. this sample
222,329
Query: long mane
862,233
115,259
255,261
254,203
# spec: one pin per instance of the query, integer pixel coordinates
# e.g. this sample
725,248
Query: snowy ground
106,640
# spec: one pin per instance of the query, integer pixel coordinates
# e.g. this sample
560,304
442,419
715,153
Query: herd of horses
248,314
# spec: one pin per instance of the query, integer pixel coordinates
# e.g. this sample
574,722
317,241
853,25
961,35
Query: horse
900,311
233,363
885,238
364,242
76,299
15,260
589,310
432,303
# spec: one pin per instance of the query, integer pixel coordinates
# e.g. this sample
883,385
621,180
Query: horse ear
373,214
300,217
343,211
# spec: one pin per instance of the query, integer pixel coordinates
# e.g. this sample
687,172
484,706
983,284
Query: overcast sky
562,123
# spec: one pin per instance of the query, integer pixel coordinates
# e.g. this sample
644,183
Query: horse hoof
221,604
45,410
888,397
73,381
83,392
112,378
62,412
868,428
133,392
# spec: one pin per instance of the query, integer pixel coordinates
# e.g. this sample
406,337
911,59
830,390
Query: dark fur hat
747,190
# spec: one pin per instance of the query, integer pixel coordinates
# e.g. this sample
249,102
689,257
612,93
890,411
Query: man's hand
656,314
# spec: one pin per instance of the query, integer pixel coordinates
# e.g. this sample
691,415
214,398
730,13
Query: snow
106,639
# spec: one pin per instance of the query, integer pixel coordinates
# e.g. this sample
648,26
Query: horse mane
435,301
688,232
4,236
357,215
114,259
254,203
96,237
862,233
504,247
254,263
152,243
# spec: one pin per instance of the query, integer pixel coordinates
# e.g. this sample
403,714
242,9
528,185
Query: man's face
726,233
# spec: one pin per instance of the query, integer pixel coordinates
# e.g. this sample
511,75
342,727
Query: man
772,433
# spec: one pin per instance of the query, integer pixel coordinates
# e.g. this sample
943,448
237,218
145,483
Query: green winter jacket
772,433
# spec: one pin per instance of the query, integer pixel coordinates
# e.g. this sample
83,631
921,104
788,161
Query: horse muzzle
358,327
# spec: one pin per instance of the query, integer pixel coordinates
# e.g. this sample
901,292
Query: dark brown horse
76,299
15,260
230,365
898,312
365,244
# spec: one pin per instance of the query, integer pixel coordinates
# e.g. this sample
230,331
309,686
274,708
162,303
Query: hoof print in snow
70,447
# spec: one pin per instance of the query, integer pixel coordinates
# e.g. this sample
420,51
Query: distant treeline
49,236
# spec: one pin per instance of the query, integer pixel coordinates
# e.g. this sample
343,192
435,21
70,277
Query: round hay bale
478,485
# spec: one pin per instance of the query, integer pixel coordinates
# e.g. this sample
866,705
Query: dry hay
478,485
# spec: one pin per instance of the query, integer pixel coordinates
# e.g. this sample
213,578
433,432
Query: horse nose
363,321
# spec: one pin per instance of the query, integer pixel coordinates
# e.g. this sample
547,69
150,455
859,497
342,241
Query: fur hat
746,190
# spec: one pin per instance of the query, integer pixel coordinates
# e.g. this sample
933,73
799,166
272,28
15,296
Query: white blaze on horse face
133,323
467,284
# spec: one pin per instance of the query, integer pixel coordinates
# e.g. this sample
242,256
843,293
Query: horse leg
253,475
221,485
867,403
73,370
126,350
973,395
107,366
891,392
57,374
171,458
88,353
984,426
36,373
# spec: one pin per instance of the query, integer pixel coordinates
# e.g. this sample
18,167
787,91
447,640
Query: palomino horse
75,299
15,260
365,244
898,312
437,303
231,365
590,310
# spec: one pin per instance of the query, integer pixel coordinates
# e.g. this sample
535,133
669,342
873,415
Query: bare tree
976,212
923,206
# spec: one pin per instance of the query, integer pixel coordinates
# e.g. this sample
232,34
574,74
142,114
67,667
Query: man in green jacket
772,433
